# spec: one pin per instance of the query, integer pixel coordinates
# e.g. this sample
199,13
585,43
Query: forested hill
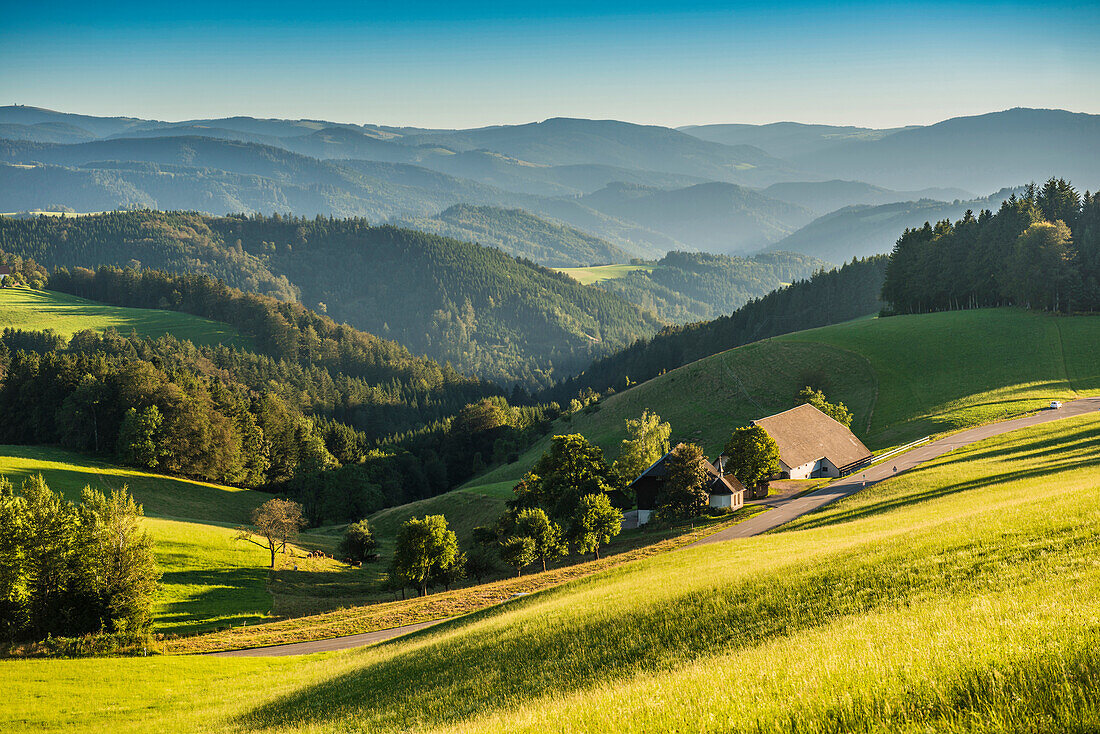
522,235
828,297
486,313
697,286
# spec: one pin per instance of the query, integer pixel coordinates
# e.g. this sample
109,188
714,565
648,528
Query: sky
454,64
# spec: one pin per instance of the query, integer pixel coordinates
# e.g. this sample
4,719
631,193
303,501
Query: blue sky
451,64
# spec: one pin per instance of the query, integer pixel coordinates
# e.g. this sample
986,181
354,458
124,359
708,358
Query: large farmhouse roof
805,434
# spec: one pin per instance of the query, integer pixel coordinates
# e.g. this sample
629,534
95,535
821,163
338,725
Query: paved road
787,510
333,643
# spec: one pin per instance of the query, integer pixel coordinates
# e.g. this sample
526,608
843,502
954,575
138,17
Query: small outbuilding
721,491
811,444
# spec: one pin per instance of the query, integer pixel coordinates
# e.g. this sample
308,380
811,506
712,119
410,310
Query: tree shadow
237,594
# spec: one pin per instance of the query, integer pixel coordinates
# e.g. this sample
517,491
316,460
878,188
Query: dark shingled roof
717,485
805,434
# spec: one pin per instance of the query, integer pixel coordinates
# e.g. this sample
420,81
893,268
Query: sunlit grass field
32,310
597,273
962,596
902,377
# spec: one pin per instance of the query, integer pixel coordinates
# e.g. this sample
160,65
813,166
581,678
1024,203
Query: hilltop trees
69,569
1041,250
751,455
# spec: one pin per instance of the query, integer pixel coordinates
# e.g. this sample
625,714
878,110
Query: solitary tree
275,523
595,523
424,546
751,455
837,411
684,491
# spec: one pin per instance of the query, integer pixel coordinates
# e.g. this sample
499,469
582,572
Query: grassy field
903,378
962,596
596,273
23,308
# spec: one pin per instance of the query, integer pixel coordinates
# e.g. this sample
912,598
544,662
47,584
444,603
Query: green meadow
597,273
31,310
959,597
902,377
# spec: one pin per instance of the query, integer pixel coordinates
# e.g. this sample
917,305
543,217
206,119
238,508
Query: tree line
1040,250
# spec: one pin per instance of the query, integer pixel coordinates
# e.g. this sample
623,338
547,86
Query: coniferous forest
1040,250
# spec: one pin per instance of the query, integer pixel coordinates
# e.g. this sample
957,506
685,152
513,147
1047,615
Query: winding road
782,512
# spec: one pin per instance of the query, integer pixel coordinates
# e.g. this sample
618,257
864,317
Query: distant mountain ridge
563,169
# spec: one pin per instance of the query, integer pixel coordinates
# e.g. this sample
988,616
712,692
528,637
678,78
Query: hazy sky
452,64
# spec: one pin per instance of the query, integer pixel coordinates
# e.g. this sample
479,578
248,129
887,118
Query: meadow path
783,512
786,510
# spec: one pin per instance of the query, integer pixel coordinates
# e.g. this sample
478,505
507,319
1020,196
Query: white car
1055,404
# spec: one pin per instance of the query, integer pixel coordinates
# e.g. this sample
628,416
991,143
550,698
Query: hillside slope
947,599
859,231
902,378
485,312
714,217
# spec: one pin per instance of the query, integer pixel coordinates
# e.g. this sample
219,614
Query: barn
811,444
722,491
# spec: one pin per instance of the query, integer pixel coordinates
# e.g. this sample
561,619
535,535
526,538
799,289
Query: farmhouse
811,444
722,491
5,271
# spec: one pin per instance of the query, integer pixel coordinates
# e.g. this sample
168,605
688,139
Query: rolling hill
786,139
483,311
828,196
685,287
714,217
902,378
520,234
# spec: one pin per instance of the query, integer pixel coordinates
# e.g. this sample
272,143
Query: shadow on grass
421,682
237,594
